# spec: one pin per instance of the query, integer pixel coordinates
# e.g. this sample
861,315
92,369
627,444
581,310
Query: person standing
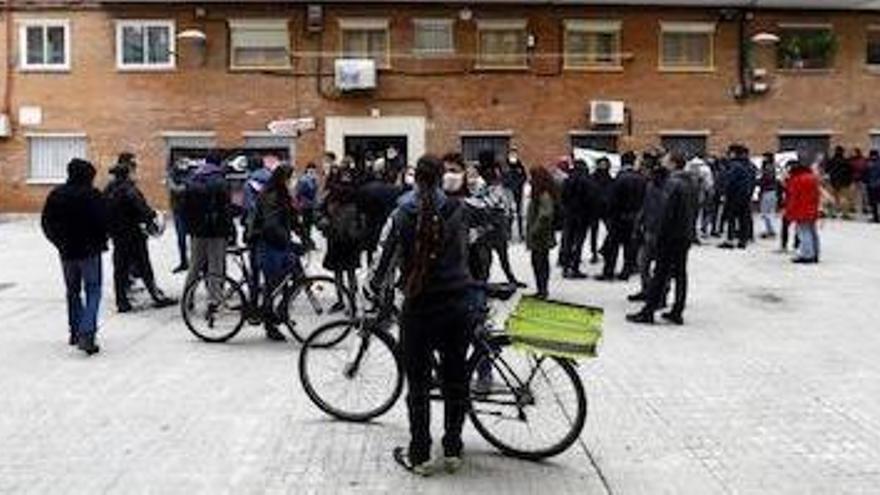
208,213
627,197
74,220
840,177
604,183
769,187
427,239
649,221
858,163
540,236
872,184
343,226
499,199
376,198
675,237
306,200
178,174
579,196
514,179
802,208
739,187
128,216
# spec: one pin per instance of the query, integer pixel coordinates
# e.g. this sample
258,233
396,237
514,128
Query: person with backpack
499,200
208,213
426,238
75,221
376,198
343,226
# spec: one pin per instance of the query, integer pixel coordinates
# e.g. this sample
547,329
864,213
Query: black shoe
338,307
164,302
539,295
741,245
726,245
604,277
87,345
401,457
274,335
123,308
805,261
641,317
674,318
180,268
519,285
594,259
636,297
72,339
624,276
578,275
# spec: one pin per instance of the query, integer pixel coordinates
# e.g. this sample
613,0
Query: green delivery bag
555,328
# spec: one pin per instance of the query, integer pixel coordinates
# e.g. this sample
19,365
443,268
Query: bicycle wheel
358,379
216,322
312,302
536,407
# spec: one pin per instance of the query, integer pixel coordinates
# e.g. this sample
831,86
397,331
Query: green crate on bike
555,328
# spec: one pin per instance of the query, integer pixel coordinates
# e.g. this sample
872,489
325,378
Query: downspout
7,86
742,64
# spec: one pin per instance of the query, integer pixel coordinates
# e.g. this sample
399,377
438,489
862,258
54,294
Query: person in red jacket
802,208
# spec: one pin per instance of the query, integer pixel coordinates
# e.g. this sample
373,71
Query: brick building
94,78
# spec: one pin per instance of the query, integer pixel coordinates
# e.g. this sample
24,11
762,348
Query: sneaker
673,318
578,275
641,317
274,335
725,245
594,259
519,285
401,457
624,276
164,302
452,464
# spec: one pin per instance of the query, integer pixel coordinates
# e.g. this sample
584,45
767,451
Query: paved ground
772,387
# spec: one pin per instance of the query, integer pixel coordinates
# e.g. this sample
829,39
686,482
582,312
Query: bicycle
360,378
299,301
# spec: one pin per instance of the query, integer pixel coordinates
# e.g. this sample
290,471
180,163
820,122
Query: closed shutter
48,156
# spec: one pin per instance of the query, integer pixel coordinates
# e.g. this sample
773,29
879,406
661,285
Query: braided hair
429,226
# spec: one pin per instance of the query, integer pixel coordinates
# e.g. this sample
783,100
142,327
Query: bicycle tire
357,337
576,421
303,288
231,288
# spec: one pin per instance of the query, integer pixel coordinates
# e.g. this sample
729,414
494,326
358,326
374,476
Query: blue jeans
180,229
275,263
83,275
808,236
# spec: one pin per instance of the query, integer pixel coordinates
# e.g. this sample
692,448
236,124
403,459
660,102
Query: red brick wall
129,110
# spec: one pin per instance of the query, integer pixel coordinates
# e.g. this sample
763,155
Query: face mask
453,181
391,154
512,158
476,185
409,179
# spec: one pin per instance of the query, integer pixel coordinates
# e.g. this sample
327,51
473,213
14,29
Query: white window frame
421,22
366,24
687,27
257,24
23,64
170,24
49,135
600,26
484,25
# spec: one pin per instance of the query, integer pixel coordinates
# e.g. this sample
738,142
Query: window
472,145
687,46
44,45
598,141
49,154
808,145
284,146
873,46
502,44
259,44
366,38
688,145
144,45
806,46
592,44
875,140
433,37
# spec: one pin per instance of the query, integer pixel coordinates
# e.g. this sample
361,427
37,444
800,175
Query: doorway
358,147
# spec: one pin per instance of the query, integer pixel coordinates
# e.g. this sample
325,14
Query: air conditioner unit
606,112
355,74
5,128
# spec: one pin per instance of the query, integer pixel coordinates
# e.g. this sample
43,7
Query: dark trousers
443,329
671,265
180,230
480,261
574,234
784,234
594,239
620,236
874,203
518,202
501,248
541,267
131,258
739,226
83,276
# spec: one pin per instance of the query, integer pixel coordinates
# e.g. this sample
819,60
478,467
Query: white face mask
512,158
476,184
391,154
409,179
452,181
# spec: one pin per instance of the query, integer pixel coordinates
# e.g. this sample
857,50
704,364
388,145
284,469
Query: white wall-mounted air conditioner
5,128
355,74
607,112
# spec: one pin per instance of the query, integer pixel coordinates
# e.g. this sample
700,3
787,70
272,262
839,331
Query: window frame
611,135
490,134
38,181
593,26
704,134
171,65
804,135
256,24
366,24
871,29
485,25
709,29
434,21
44,24
804,26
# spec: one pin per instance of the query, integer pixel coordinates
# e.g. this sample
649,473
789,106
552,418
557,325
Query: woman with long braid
426,237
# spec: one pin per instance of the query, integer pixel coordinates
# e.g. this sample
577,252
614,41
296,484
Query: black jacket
580,196
605,184
678,220
740,180
75,217
127,209
376,199
207,207
515,178
627,196
274,220
654,204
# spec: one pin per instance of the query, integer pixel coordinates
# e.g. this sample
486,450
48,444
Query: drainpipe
7,86
742,91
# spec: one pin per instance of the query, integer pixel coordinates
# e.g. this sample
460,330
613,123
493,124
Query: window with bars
433,37
259,44
145,45
366,39
687,46
808,147
44,45
598,142
592,44
687,146
503,45
473,146
872,49
48,156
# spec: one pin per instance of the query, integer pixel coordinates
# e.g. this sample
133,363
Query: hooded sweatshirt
75,217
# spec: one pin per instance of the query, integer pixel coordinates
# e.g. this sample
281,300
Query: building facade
94,79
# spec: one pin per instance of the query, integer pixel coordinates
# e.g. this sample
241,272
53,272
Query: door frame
413,127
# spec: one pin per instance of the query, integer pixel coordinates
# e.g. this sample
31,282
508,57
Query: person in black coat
605,184
578,200
739,185
75,221
343,226
514,178
376,199
625,202
129,217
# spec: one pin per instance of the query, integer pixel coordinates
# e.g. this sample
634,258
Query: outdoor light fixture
192,35
764,38
465,14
